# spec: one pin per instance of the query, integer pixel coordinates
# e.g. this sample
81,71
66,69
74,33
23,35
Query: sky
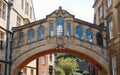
81,9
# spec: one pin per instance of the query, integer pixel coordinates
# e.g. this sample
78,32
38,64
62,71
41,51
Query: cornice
95,3
117,5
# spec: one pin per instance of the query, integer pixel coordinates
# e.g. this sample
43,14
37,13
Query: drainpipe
8,38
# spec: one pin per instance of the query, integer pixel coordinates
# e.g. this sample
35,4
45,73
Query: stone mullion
94,37
84,33
36,35
46,30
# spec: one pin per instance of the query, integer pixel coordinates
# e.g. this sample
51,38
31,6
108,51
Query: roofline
95,3
90,24
29,25
6,30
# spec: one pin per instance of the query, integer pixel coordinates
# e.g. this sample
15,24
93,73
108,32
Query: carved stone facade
42,41
111,20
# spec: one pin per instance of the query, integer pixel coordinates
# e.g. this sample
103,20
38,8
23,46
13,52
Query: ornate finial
60,8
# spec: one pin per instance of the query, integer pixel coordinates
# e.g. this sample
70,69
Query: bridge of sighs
60,32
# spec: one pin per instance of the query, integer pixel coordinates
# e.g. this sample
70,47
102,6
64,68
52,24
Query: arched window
68,29
99,38
30,36
60,26
89,35
79,32
22,35
41,32
51,30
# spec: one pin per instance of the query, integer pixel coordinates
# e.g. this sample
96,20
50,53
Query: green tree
68,65
59,71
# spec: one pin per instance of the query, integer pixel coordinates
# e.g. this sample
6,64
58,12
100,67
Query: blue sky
82,9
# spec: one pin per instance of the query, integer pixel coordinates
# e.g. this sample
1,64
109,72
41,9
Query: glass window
79,32
30,36
89,36
26,8
18,21
22,38
68,29
114,65
50,57
60,26
43,60
51,30
99,38
2,9
100,11
41,31
109,3
111,34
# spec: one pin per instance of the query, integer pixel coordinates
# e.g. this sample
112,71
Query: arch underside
35,50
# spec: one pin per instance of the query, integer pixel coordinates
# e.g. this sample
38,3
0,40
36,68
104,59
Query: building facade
107,13
46,65
15,13
106,23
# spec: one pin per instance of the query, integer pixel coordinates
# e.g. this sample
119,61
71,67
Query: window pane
100,11
43,60
79,32
22,38
68,29
111,29
109,3
60,26
114,65
51,30
41,33
89,36
26,8
30,36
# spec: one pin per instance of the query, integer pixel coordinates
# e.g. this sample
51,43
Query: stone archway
96,59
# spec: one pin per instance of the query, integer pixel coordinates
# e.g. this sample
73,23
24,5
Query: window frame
31,39
51,29
43,61
114,65
40,34
60,26
109,3
80,35
111,29
26,8
87,36
22,39
68,33
18,23
2,10
100,11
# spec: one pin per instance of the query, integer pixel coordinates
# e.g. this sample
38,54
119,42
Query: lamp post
7,52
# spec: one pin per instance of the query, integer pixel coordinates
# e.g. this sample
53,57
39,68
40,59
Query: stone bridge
60,32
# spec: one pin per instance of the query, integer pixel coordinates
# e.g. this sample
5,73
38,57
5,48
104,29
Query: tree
59,71
68,65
